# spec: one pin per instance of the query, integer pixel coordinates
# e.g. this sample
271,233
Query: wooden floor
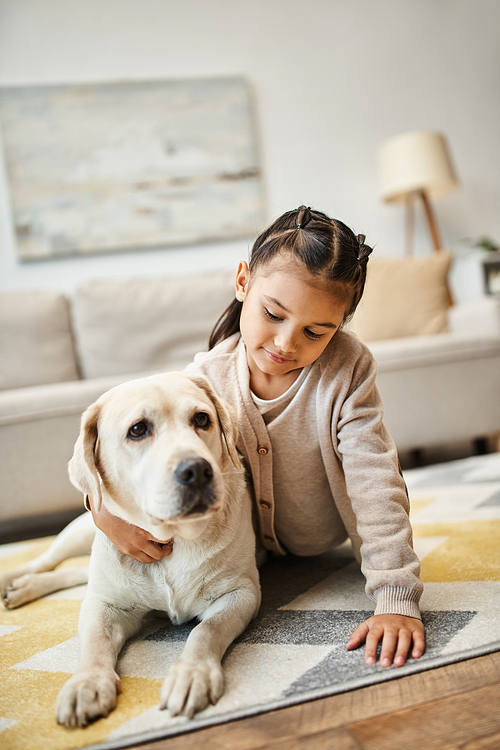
451,708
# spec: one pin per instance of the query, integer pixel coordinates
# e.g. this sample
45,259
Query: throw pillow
404,297
35,339
131,326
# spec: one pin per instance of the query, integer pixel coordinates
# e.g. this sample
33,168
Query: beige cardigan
359,455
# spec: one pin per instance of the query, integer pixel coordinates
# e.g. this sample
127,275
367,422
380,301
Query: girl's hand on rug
397,634
131,540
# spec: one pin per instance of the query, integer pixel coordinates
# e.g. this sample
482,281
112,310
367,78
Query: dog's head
160,444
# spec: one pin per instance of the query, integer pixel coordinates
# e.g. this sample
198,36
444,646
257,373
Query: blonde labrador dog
160,453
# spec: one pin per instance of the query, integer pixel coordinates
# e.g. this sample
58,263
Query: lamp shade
416,161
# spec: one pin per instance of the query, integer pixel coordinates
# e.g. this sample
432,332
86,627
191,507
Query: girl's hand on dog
131,540
397,634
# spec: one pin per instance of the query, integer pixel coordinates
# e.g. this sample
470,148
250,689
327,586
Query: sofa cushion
404,297
35,340
135,325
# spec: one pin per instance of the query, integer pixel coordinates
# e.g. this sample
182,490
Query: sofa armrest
479,317
430,351
439,389
41,402
38,429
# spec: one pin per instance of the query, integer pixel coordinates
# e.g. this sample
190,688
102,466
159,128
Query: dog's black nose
194,472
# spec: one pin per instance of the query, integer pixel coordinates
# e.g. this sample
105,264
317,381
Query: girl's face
287,320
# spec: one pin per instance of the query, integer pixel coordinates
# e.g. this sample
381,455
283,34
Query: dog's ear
226,415
82,467
229,427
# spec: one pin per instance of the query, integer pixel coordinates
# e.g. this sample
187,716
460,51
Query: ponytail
227,324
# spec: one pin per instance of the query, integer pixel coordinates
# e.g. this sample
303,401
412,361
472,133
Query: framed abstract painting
127,166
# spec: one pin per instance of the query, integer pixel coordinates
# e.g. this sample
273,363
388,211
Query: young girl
322,464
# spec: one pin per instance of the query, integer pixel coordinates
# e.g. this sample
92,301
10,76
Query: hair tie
304,216
361,239
363,250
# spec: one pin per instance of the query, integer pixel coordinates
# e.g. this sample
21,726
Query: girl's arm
131,540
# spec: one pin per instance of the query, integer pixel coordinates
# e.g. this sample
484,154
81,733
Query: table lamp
417,165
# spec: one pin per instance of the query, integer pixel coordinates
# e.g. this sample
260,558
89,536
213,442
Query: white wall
331,80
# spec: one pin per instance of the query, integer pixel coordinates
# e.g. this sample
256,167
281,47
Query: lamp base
431,220
431,224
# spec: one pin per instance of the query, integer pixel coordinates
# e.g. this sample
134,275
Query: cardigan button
269,539
264,504
263,450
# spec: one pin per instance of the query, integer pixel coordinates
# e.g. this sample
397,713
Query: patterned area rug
295,650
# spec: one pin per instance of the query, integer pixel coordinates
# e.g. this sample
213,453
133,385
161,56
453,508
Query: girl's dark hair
327,248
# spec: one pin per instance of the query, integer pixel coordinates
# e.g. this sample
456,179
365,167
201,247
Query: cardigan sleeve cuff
397,600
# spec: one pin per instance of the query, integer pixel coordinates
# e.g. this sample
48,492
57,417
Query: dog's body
160,453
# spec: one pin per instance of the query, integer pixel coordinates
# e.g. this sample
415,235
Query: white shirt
300,483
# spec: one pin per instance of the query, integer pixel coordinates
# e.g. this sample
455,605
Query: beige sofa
58,355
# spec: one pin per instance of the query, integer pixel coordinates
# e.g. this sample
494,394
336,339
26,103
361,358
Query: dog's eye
201,421
139,430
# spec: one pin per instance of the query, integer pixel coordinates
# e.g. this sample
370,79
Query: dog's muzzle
195,478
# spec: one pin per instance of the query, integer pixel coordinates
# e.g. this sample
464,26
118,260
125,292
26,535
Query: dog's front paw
190,686
5,581
87,696
21,591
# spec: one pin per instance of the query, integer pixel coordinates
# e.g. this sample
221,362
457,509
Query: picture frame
130,165
491,272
